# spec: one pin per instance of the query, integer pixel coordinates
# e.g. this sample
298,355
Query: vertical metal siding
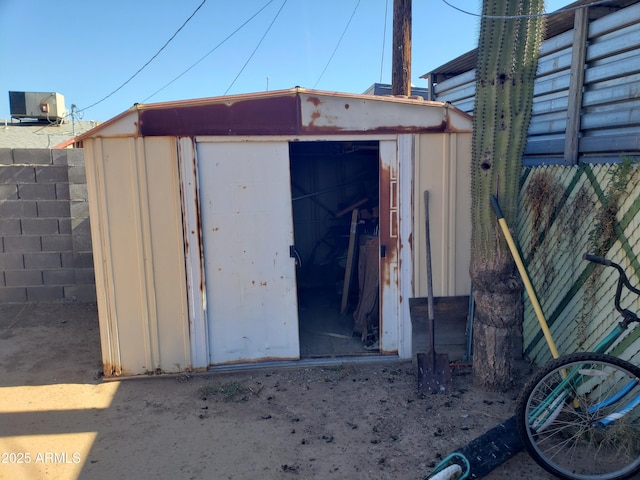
136,225
610,113
442,166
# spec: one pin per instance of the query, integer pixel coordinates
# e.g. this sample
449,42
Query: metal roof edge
106,124
298,95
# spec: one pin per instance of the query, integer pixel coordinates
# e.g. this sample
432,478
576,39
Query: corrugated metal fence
566,211
599,113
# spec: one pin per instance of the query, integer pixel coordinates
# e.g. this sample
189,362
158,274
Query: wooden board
348,270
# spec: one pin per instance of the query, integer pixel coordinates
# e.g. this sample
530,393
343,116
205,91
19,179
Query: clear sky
86,49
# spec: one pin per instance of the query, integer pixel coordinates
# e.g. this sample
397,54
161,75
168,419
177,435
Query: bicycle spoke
578,418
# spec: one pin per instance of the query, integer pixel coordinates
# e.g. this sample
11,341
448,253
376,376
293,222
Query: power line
535,15
338,44
149,61
257,46
210,51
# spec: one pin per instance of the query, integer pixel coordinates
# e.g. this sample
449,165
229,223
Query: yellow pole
525,277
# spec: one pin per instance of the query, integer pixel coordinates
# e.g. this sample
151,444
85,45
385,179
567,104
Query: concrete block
77,175
45,293
22,243
75,156
60,276
82,293
13,295
82,243
62,191
65,226
81,226
23,278
79,209
85,276
37,191
10,226
53,208
6,156
52,174
78,192
40,226
83,259
68,259
59,156
8,192
41,260
18,209
57,243
17,174
32,156
11,261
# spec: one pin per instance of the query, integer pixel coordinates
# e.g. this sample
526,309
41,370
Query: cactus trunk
510,35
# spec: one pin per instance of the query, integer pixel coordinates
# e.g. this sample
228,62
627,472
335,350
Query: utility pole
401,57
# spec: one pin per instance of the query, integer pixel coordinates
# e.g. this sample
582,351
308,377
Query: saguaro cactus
510,35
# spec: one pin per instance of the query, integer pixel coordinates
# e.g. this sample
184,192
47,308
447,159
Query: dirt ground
59,419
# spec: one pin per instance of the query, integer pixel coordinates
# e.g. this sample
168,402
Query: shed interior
335,205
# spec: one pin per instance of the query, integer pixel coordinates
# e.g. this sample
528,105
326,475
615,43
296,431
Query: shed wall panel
136,221
442,167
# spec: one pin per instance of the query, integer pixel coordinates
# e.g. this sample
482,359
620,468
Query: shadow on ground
59,419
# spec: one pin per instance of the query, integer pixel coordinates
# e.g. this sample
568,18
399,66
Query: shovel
434,373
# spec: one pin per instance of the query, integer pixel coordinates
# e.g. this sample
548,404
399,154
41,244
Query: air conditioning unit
40,106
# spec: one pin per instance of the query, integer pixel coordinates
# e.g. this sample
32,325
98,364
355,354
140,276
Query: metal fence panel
560,219
609,113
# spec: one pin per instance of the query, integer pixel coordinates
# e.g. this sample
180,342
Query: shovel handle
496,207
525,277
427,236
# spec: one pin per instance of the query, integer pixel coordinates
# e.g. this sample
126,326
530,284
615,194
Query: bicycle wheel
579,417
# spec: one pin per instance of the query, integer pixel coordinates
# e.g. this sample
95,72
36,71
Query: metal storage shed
202,211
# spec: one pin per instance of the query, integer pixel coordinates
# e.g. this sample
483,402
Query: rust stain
312,129
107,369
314,100
269,115
388,352
275,115
388,220
198,216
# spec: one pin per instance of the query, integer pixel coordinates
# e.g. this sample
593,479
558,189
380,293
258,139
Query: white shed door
247,225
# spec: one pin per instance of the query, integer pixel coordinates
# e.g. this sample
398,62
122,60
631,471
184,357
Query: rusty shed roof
296,111
556,23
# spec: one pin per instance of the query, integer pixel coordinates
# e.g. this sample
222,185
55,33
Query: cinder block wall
45,239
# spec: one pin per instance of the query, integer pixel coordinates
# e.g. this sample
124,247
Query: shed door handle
293,253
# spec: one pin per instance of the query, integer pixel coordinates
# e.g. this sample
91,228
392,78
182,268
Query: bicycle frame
549,409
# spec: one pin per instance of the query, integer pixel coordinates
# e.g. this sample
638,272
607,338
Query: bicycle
579,416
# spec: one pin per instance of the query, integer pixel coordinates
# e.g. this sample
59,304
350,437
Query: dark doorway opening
335,203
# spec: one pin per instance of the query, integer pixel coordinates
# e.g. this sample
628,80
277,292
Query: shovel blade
434,373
